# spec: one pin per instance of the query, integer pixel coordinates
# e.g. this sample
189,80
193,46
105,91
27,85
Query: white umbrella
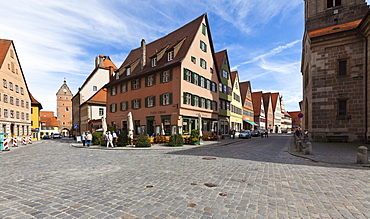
104,125
162,127
200,125
130,126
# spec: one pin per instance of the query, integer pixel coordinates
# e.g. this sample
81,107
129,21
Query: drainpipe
366,83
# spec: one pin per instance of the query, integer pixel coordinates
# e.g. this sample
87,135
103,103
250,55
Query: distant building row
169,84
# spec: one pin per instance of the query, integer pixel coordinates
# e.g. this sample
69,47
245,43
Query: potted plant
143,141
195,137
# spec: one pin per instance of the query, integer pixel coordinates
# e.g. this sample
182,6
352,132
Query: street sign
75,126
300,115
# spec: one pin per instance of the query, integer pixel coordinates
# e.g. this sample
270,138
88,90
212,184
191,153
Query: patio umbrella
130,126
104,124
200,125
162,127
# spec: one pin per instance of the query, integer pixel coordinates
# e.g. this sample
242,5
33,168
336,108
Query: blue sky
60,39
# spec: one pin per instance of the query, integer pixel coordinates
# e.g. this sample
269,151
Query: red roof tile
334,29
274,99
256,99
4,48
244,86
48,118
35,102
185,33
233,76
99,97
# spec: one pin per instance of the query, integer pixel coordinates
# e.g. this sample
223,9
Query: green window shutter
154,76
192,100
132,84
205,47
201,42
184,97
205,64
146,81
161,100
204,29
170,98
192,77
206,103
153,101
146,102
161,77
185,73
139,83
200,101
132,104
139,103
171,75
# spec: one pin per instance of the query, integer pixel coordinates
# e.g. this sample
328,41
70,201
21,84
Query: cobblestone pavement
249,178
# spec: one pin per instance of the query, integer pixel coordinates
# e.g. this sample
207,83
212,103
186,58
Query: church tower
333,68
64,109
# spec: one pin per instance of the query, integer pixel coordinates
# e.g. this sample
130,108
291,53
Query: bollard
362,155
30,139
299,148
308,148
6,146
15,144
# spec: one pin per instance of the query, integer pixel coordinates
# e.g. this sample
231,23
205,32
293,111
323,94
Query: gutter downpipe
366,83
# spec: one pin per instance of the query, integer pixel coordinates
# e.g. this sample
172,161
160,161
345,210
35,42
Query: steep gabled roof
256,99
219,58
34,102
274,100
4,48
99,97
181,38
244,86
266,101
233,75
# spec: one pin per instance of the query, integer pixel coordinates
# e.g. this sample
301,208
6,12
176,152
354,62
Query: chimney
101,61
96,62
143,54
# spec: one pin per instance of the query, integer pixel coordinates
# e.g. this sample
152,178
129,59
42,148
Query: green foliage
111,129
143,141
195,135
122,140
176,140
97,138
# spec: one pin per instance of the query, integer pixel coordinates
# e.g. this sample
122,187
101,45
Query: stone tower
64,109
333,68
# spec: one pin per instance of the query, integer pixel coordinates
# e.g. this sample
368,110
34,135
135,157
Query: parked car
245,134
56,135
255,133
46,137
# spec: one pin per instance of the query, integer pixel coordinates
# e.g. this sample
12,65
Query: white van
56,135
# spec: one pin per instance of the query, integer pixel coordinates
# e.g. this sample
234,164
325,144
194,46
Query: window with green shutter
184,97
204,29
203,46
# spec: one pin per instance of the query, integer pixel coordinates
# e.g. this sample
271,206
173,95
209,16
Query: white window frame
5,84
202,84
188,98
136,104
150,101
136,84
188,75
150,80
196,79
128,70
166,76
196,101
170,55
154,61
123,88
225,73
165,99
101,111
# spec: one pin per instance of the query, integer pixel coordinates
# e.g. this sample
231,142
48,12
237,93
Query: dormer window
170,55
154,61
128,70
333,3
117,75
95,88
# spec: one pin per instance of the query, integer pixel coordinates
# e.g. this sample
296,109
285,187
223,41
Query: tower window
333,3
342,68
342,107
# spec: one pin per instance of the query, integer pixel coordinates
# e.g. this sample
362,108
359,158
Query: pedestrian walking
232,132
261,133
266,133
109,140
83,138
106,138
88,139
114,135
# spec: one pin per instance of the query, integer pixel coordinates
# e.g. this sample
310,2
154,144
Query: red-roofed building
35,118
49,123
236,116
247,101
269,113
89,105
276,108
259,110
15,100
171,81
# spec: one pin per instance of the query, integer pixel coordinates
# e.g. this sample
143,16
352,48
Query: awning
252,123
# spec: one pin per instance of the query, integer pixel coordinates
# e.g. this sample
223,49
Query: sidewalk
332,152
225,141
